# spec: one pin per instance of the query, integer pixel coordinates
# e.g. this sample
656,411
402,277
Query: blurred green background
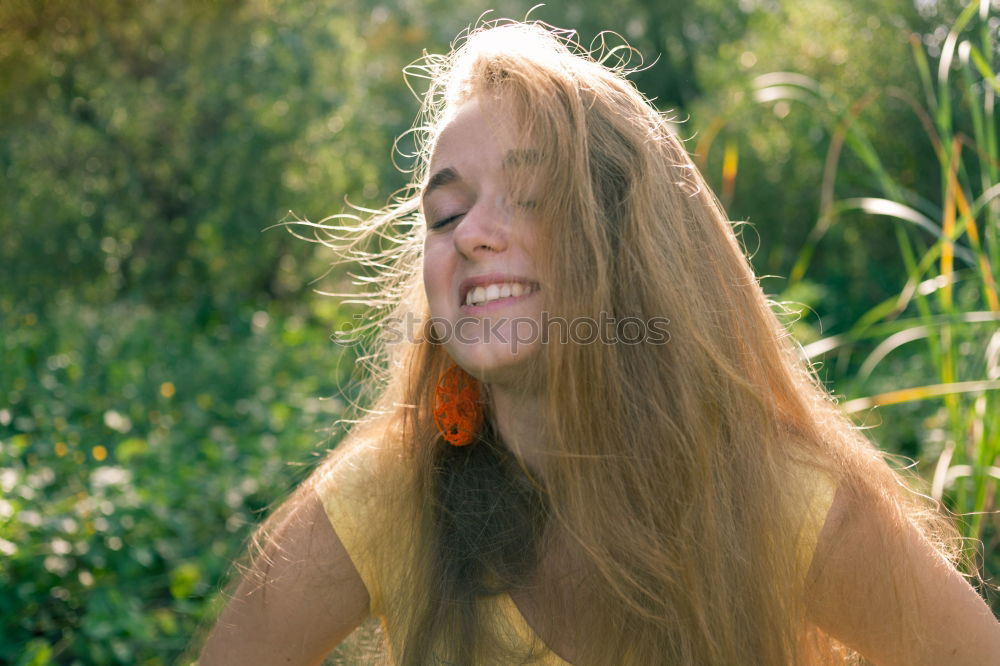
166,367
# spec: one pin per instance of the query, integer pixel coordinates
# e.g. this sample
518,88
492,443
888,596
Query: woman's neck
519,419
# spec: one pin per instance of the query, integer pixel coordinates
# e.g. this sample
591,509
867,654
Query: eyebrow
521,157
512,159
443,177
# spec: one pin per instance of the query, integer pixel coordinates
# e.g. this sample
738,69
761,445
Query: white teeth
493,292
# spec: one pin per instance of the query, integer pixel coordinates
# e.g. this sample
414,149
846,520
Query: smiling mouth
498,291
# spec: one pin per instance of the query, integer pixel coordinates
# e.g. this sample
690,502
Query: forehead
466,130
475,140
475,130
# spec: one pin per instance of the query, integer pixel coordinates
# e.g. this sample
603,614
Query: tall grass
947,310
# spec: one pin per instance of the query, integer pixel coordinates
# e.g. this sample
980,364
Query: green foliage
924,197
143,454
147,145
778,145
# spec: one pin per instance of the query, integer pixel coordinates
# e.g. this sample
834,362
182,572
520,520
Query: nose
484,229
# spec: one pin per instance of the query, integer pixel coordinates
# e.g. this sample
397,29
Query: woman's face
479,264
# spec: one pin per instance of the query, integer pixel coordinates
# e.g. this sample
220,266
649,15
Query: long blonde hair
672,470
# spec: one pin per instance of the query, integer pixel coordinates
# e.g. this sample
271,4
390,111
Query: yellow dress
368,483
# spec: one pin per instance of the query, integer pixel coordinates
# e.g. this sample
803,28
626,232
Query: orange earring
457,410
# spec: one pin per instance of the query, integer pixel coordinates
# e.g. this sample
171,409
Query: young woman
599,445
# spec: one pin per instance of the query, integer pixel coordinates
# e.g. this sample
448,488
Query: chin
498,364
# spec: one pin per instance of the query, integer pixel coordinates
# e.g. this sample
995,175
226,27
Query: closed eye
445,221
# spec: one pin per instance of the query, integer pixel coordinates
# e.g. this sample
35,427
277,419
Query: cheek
436,275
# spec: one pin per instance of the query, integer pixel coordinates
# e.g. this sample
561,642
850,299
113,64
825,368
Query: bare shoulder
298,598
880,587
